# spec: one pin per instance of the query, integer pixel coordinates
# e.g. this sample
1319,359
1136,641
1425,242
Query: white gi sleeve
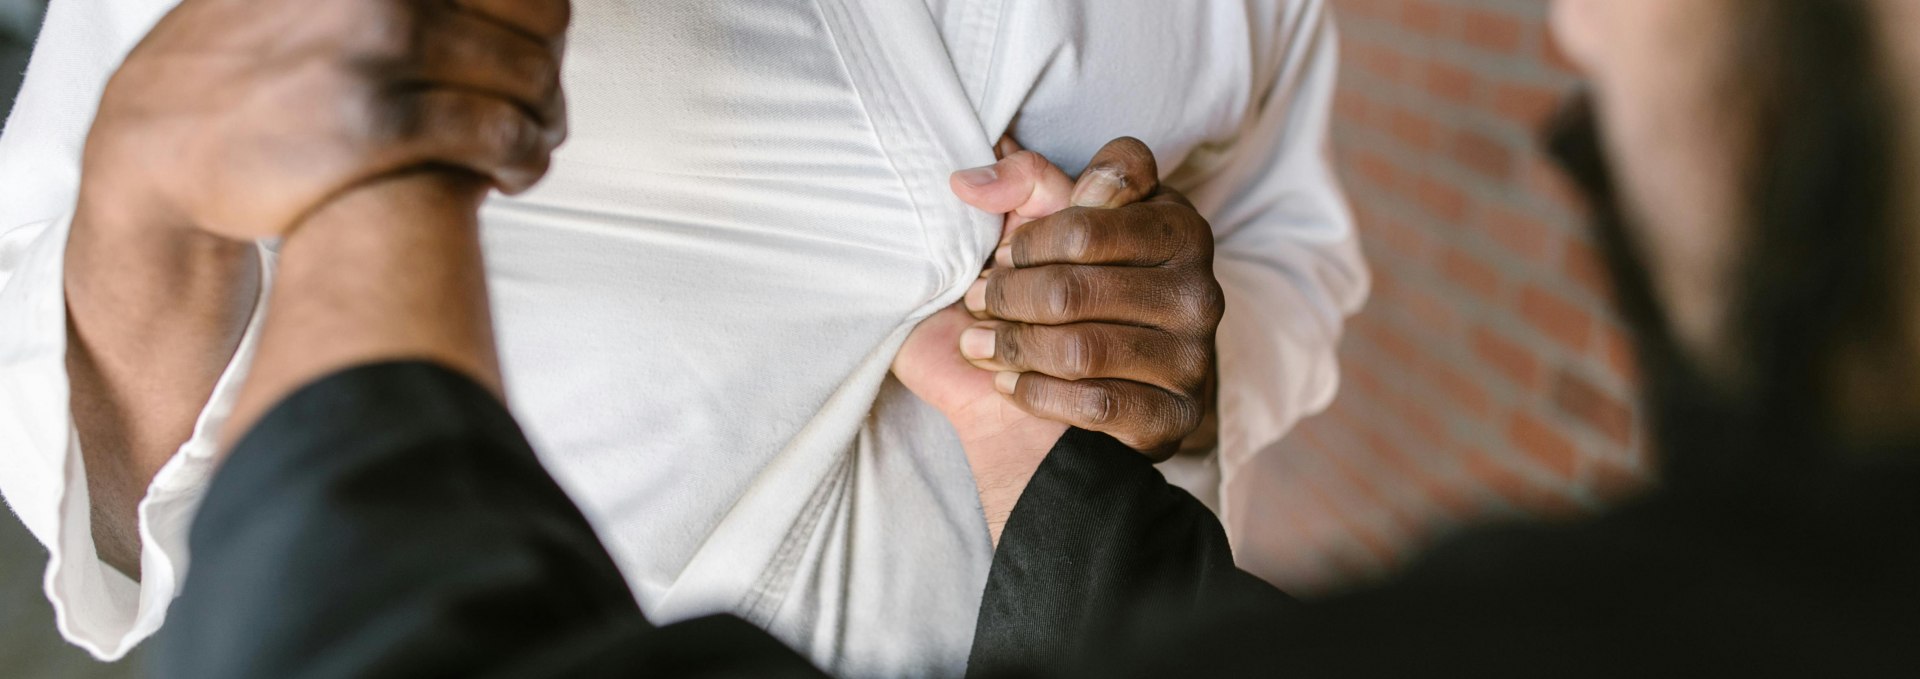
41,473
1287,254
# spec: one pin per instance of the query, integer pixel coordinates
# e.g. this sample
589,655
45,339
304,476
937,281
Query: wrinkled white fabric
697,308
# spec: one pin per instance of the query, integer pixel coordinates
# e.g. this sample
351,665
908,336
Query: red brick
1482,154
1582,265
1519,233
1442,200
1358,377
1377,169
1464,392
1511,360
1399,238
1540,177
1448,497
1425,17
1436,134
1563,321
1616,350
1435,317
1352,108
1594,408
1369,487
1541,443
1381,61
1496,476
1397,346
1428,426
1414,129
1491,31
1470,274
1356,534
1374,10
1526,105
1451,83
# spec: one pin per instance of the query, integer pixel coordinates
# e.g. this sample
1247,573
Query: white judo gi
697,309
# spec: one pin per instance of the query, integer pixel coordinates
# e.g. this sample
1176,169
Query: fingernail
1006,382
979,176
1097,187
1003,256
977,296
977,343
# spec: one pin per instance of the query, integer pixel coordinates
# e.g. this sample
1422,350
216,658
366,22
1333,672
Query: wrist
135,273
389,270
1004,447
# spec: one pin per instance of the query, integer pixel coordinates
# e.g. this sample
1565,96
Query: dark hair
1818,299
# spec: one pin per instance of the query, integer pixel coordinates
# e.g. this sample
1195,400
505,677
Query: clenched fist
238,117
1099,311
1100,315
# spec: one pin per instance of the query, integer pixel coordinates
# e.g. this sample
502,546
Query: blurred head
1747,160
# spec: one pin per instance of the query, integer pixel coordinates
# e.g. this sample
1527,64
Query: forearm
1004,447
154,317
387,271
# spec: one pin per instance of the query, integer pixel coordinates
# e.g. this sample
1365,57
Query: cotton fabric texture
751,214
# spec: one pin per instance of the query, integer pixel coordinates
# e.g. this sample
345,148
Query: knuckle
1213,304
1079,356
1098,406
390,30
1195,363
1073,238
1010,345
1028,162
1067,293
560,14
533,68
378,116
1000,298
497,129
1166,423
1185,224
492,126
1182,417
1166,230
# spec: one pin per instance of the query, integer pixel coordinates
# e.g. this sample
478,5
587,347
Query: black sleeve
1106,570
391,520
1098,541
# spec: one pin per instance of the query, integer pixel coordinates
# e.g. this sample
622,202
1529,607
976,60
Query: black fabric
1104,570
392,521
1098,538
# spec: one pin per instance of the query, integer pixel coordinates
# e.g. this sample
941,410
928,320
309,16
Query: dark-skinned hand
1102,314
1147,391
238,117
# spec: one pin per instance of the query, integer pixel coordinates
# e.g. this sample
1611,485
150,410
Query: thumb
1121,174
1022,184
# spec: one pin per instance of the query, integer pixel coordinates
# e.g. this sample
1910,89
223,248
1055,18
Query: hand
1101,315
239,117
231,121
1004,442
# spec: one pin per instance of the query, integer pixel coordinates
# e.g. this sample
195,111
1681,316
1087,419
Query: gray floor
29,647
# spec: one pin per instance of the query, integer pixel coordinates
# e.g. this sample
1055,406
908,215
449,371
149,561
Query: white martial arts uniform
697,309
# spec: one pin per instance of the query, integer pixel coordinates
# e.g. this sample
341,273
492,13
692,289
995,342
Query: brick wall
1487,378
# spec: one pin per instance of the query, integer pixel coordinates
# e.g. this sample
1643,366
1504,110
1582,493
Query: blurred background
1486,380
